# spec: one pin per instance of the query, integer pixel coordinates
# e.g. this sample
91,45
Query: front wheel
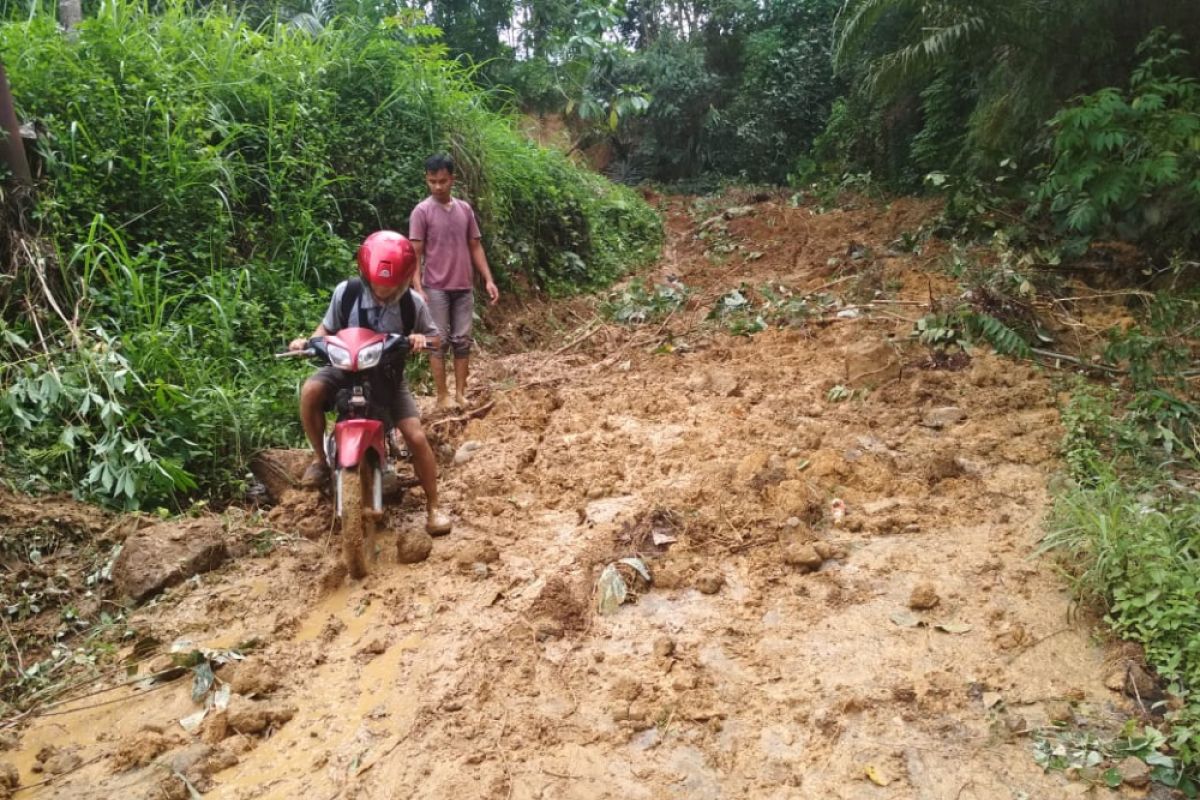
358,517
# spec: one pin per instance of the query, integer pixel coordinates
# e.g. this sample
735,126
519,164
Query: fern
1003,339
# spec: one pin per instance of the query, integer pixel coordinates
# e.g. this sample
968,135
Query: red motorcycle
357,447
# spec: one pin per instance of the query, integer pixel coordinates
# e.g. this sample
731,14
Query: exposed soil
779,653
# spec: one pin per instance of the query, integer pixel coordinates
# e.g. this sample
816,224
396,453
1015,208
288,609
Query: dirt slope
776,656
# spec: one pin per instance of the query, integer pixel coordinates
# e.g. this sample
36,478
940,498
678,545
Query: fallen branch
53,778
474,413
384,754
1079,362
105,703
596,325
16,647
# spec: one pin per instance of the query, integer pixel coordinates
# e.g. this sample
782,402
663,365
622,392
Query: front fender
354,437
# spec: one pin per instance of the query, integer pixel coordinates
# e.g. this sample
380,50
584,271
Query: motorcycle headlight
338,356
369,356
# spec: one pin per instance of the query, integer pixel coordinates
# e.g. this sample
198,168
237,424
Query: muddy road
905,651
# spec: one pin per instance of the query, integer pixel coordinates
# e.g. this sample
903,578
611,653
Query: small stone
1115,680
710,582
803,556
824,549
792,522
938,418
1134,772
374,647
465,451
924,596
481,552
1059,713
685,681
626,689
60,762
548,629
664,647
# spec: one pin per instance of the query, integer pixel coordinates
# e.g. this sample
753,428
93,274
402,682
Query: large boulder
166,554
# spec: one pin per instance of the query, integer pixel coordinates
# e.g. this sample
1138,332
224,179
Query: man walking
445,233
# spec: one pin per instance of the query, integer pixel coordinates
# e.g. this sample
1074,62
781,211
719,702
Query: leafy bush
203,183
637,305
1128,164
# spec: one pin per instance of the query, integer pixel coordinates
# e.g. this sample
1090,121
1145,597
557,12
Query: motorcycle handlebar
432,343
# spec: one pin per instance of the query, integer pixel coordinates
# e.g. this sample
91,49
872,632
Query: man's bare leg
312,419
438,365
437,522
461,370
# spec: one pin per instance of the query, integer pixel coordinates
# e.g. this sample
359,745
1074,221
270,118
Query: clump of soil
557,602
413,546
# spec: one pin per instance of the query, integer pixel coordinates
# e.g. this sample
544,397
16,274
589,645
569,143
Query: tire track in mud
776,655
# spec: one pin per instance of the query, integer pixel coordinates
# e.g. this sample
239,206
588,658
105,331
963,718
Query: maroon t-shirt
446,233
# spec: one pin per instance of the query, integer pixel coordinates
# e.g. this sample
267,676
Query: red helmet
385,258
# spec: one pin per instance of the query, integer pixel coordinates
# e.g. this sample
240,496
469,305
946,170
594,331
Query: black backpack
408,307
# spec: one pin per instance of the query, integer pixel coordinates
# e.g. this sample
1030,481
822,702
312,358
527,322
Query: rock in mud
57,760
164,555
803,556
249,716
280,470
709,582
870,364
547,628
215,727
253,677
944,417
466,451
943,466
480,552
10,779
924,597
1134,772
664,647
413,547
722,384
144,747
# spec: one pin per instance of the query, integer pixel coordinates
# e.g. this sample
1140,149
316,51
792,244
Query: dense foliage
202,185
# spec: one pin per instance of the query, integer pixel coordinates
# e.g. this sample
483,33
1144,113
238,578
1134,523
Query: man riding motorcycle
379,299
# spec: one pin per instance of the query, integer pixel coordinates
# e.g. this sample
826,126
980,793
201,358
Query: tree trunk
70,12
13,148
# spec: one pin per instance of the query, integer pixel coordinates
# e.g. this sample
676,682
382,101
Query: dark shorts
390,392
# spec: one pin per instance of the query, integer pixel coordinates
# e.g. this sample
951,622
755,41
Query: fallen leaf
953,627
